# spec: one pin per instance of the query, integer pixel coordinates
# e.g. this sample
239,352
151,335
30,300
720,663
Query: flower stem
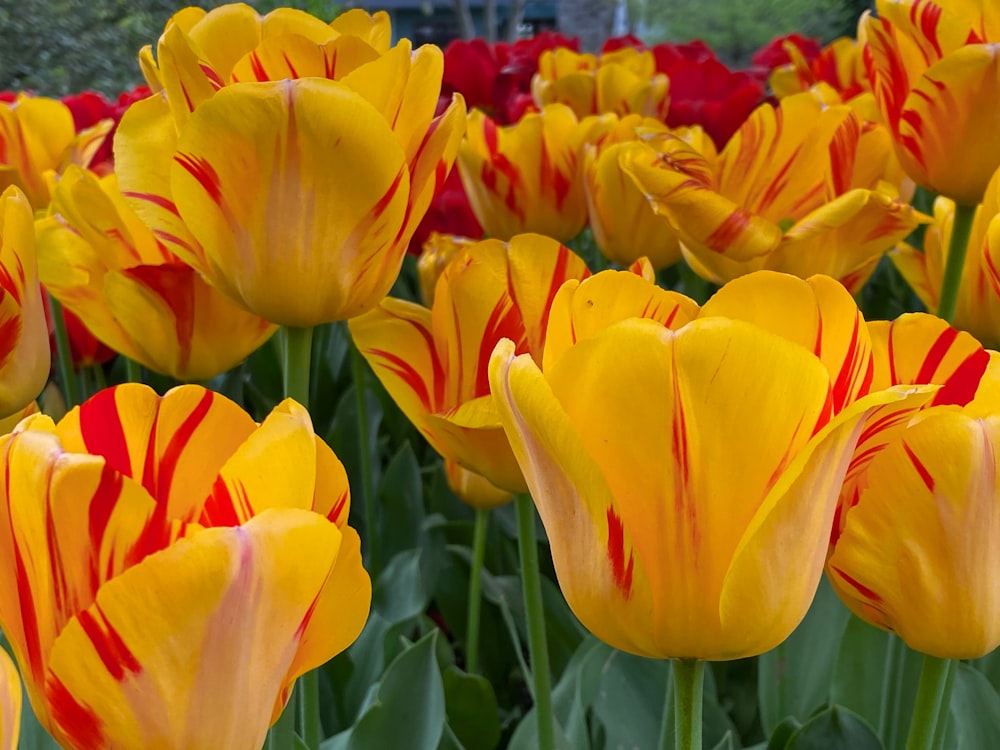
65,354
133,370
296,368
475,591
367,491
931,704
538,647
961,228
281,735
889,696
689,676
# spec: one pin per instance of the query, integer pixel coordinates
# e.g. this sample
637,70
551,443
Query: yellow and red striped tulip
171,567
839,65
935,71
38,139
622,82
916,551
977,308
785,194
24,336
106,267
686,518
438,251
526,177
10,703
239,181
433,362
624,224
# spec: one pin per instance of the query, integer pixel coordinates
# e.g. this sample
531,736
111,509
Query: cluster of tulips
175,573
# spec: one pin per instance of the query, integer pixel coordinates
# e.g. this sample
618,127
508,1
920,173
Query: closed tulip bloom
295,194
24,337
37,138
917,553
137,297
433,362
978,302
170,567
622,82
686,479
526,177
787,193
935,71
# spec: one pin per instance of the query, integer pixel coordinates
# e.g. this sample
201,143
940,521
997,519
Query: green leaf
630,699
859,674
975,710
401,591
728,742
836,728
783,733
400,504
472,711
409,707
794,679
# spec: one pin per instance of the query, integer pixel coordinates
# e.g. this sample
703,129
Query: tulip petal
474,489
189,648
10,703
173,446
293,56
255,168
917,554
375,29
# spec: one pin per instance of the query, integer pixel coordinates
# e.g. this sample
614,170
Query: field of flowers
359,396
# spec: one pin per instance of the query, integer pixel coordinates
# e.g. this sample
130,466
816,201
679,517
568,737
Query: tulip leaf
409,706
471,707
858,676
400,504
794,678
975,710
401,591
835,728
727,742
783,733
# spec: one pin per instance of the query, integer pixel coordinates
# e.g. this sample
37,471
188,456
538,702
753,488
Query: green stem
312,726
961,228
930,705
942,726
297,364
889,696
689,677
281,736
538,647
367,491
133,371
65,354
475,591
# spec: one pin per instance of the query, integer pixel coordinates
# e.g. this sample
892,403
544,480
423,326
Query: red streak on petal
111,649
728,231
174,284
74,718
925,475
103,433
200,168
407,373
10,335
338,507
621,572
220,508
505,322
178,442
102,506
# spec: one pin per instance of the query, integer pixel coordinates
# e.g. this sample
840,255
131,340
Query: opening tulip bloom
24,339
105,266
686,479
936,80
170,567
433,362
297,197
795,190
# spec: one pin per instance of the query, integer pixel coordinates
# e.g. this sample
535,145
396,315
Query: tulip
525,177
37,137
784,194
839,64
978,301
237,182
10,703
433,362
937,84
171,567
622,82
24,340
658,551
106,267
438,252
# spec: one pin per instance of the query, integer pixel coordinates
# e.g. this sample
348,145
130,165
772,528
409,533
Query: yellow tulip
526,177
437,253
24,336
238,178
978,302
10,703
170,567
135,296
622,82
787,193
936,78
433,362
687,480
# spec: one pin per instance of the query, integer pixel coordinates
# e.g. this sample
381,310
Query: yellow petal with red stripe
818,314
255,168
918,555
10,704
173,445
293,56
191,647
